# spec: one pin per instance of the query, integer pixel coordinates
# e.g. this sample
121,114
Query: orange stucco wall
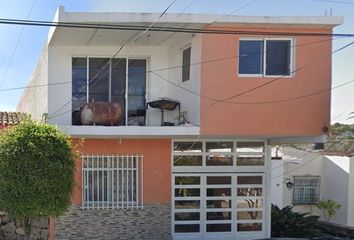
157,164
303,117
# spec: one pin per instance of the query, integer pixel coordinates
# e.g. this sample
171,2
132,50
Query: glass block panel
187,160
249,203
187,216
247,160
217,180
186,228
219,146
249,215
249,180
249,227
187,147
215,192
218,215
219,160
249,192
188,180
187,192
219,204
187,204
225,227
250,147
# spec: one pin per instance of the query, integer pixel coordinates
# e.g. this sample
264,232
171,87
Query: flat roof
172,18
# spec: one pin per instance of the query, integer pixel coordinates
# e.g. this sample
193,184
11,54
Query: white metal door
218,206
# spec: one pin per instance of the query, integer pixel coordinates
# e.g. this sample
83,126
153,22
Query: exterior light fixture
289,184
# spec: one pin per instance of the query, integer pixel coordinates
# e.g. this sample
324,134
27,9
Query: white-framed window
212,154
306,190
186,63
266,57
112,181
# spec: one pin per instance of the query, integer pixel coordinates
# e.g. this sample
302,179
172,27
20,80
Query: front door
218,206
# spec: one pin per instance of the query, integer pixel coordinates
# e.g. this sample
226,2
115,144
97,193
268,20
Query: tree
36,172
329,208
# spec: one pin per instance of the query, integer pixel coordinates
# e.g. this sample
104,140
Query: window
211,154
267,57
118,80
306,190
186,64
112,181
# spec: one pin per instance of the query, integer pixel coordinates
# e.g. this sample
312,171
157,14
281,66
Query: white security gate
218,206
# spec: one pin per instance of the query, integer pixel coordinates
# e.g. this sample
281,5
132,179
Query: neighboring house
315,176
10,119
208,178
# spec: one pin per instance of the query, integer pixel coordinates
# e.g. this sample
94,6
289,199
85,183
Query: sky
20,47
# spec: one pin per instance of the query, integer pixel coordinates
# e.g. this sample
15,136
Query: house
142,175
314,176
10,119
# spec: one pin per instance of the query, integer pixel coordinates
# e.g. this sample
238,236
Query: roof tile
11,118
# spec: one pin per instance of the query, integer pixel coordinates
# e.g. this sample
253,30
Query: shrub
36,172
287,223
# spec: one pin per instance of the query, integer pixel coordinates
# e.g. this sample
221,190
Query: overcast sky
17,65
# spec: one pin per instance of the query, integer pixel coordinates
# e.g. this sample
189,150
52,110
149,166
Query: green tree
329,208
36,172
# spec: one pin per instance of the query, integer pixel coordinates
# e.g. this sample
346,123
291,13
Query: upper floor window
119,81
186,64
266,57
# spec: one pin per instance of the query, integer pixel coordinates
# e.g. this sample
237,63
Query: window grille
306,190
112,181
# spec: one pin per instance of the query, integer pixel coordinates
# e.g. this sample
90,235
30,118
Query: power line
164,69
192,64
16,46
134,38
335,1
278,78
169,29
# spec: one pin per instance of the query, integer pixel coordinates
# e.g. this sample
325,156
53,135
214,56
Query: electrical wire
192,64
169,29
281,77
16,46
134,38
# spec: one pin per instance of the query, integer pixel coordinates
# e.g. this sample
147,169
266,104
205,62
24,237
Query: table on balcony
165,104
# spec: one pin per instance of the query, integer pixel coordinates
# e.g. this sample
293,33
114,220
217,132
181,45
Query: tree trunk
27,227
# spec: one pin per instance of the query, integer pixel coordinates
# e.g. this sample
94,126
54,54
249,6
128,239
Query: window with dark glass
251,57
268,57
186,64
79,87
119,80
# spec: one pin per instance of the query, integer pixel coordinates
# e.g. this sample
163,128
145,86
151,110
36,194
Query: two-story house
177,124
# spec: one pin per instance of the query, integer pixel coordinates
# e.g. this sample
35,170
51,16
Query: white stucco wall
336,182
304,163
277,185
158,58
35,100
350,221
190,101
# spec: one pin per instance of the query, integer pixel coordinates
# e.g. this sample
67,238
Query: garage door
218,206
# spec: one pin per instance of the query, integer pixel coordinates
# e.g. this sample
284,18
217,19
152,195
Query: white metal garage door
218,206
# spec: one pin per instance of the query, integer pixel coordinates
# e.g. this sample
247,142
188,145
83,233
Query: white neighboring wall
34,100
351,193
336,182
